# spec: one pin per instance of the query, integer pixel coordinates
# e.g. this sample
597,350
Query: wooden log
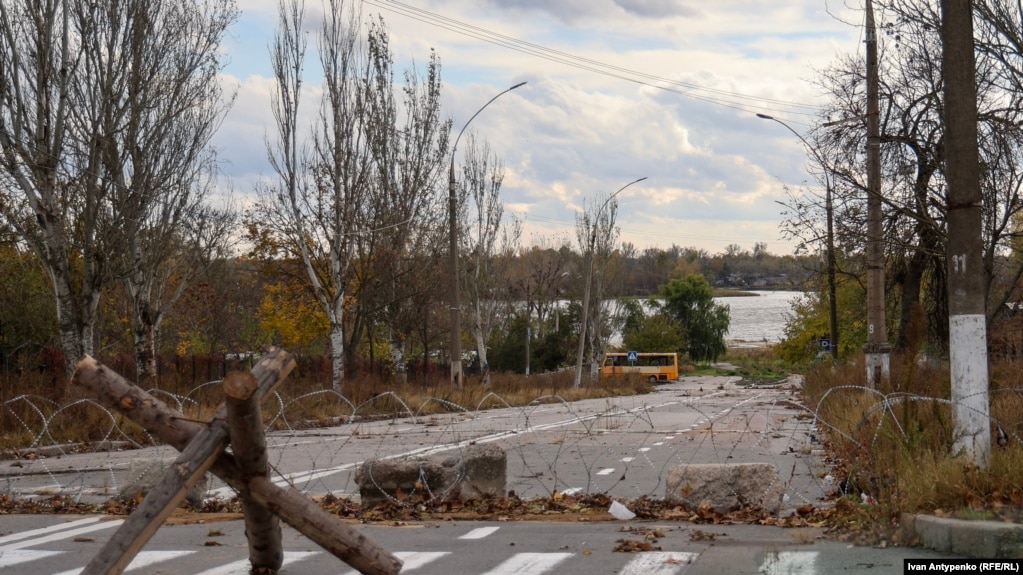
157,506
245,423
291,505
204,446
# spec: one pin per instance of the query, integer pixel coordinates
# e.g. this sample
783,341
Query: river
759,318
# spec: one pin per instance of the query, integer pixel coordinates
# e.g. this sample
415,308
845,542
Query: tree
652,333
355,207
690,302
483,174
86,87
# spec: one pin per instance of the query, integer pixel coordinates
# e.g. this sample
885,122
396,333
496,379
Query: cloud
577,132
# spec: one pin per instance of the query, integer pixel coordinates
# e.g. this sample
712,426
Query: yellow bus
653,366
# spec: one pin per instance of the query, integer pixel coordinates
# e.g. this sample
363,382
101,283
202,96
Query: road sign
633,356
825,344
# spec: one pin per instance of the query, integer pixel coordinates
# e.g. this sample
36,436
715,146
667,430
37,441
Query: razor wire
625,447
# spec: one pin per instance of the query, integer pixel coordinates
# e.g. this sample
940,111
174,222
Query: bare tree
597,235
77,109
483,174
355,206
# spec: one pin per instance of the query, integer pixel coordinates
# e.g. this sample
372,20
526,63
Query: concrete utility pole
966,305
877,349
456,302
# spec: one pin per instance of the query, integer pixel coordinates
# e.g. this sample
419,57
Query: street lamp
456,323
589,281
832,298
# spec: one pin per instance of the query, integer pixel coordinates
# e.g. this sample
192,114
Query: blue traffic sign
633,356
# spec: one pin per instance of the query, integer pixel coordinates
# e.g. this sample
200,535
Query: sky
616,90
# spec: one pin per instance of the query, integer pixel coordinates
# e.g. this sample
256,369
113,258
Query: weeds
894,444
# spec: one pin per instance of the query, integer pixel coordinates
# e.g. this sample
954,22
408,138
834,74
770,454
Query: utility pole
877,349
966,305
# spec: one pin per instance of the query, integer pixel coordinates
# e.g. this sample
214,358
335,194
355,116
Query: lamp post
832,297
456,323
589,281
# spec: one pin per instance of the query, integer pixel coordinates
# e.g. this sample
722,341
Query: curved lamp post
456,324
832,297
589,281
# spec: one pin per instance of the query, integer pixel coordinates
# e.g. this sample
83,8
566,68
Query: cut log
262,526
291,505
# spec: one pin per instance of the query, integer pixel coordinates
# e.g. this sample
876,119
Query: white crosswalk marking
658,563
143,559
789,563
244,566
532,563
46,530
64,534
606,471
480,533
17,556
413,559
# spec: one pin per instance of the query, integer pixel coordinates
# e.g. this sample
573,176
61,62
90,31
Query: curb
977,539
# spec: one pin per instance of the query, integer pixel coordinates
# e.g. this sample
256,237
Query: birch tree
84,84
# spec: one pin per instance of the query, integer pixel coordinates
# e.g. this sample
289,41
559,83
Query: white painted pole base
878,364
968,363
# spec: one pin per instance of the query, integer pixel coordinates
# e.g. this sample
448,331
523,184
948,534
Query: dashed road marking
143,559
660,563
480,533
606,471
244,566
64,533
17,556
628,459
532,563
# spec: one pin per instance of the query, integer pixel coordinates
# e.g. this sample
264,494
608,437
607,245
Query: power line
735,100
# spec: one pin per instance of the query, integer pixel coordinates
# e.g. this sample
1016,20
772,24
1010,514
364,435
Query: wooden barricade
202,447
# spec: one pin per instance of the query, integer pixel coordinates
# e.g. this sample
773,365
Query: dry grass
29,416
894,445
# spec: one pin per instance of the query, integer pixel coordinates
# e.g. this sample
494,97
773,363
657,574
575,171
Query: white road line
413,559
659,443
572,491
532,563
628,459
143,559
44,530
644,449
480,533
606,471
307,476
669,438
244,566
785,562
65,534
660,563
22,556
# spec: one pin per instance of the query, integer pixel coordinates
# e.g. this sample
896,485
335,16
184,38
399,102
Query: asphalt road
50,545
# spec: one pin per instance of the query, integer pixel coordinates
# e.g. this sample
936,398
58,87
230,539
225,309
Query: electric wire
736,101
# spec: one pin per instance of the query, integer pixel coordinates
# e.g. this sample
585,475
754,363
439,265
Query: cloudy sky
617,90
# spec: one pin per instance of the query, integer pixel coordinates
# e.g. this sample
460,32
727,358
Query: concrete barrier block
966,537
478,471
726,486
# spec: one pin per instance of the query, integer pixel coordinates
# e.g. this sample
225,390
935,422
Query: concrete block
726,486
144,474
475,472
